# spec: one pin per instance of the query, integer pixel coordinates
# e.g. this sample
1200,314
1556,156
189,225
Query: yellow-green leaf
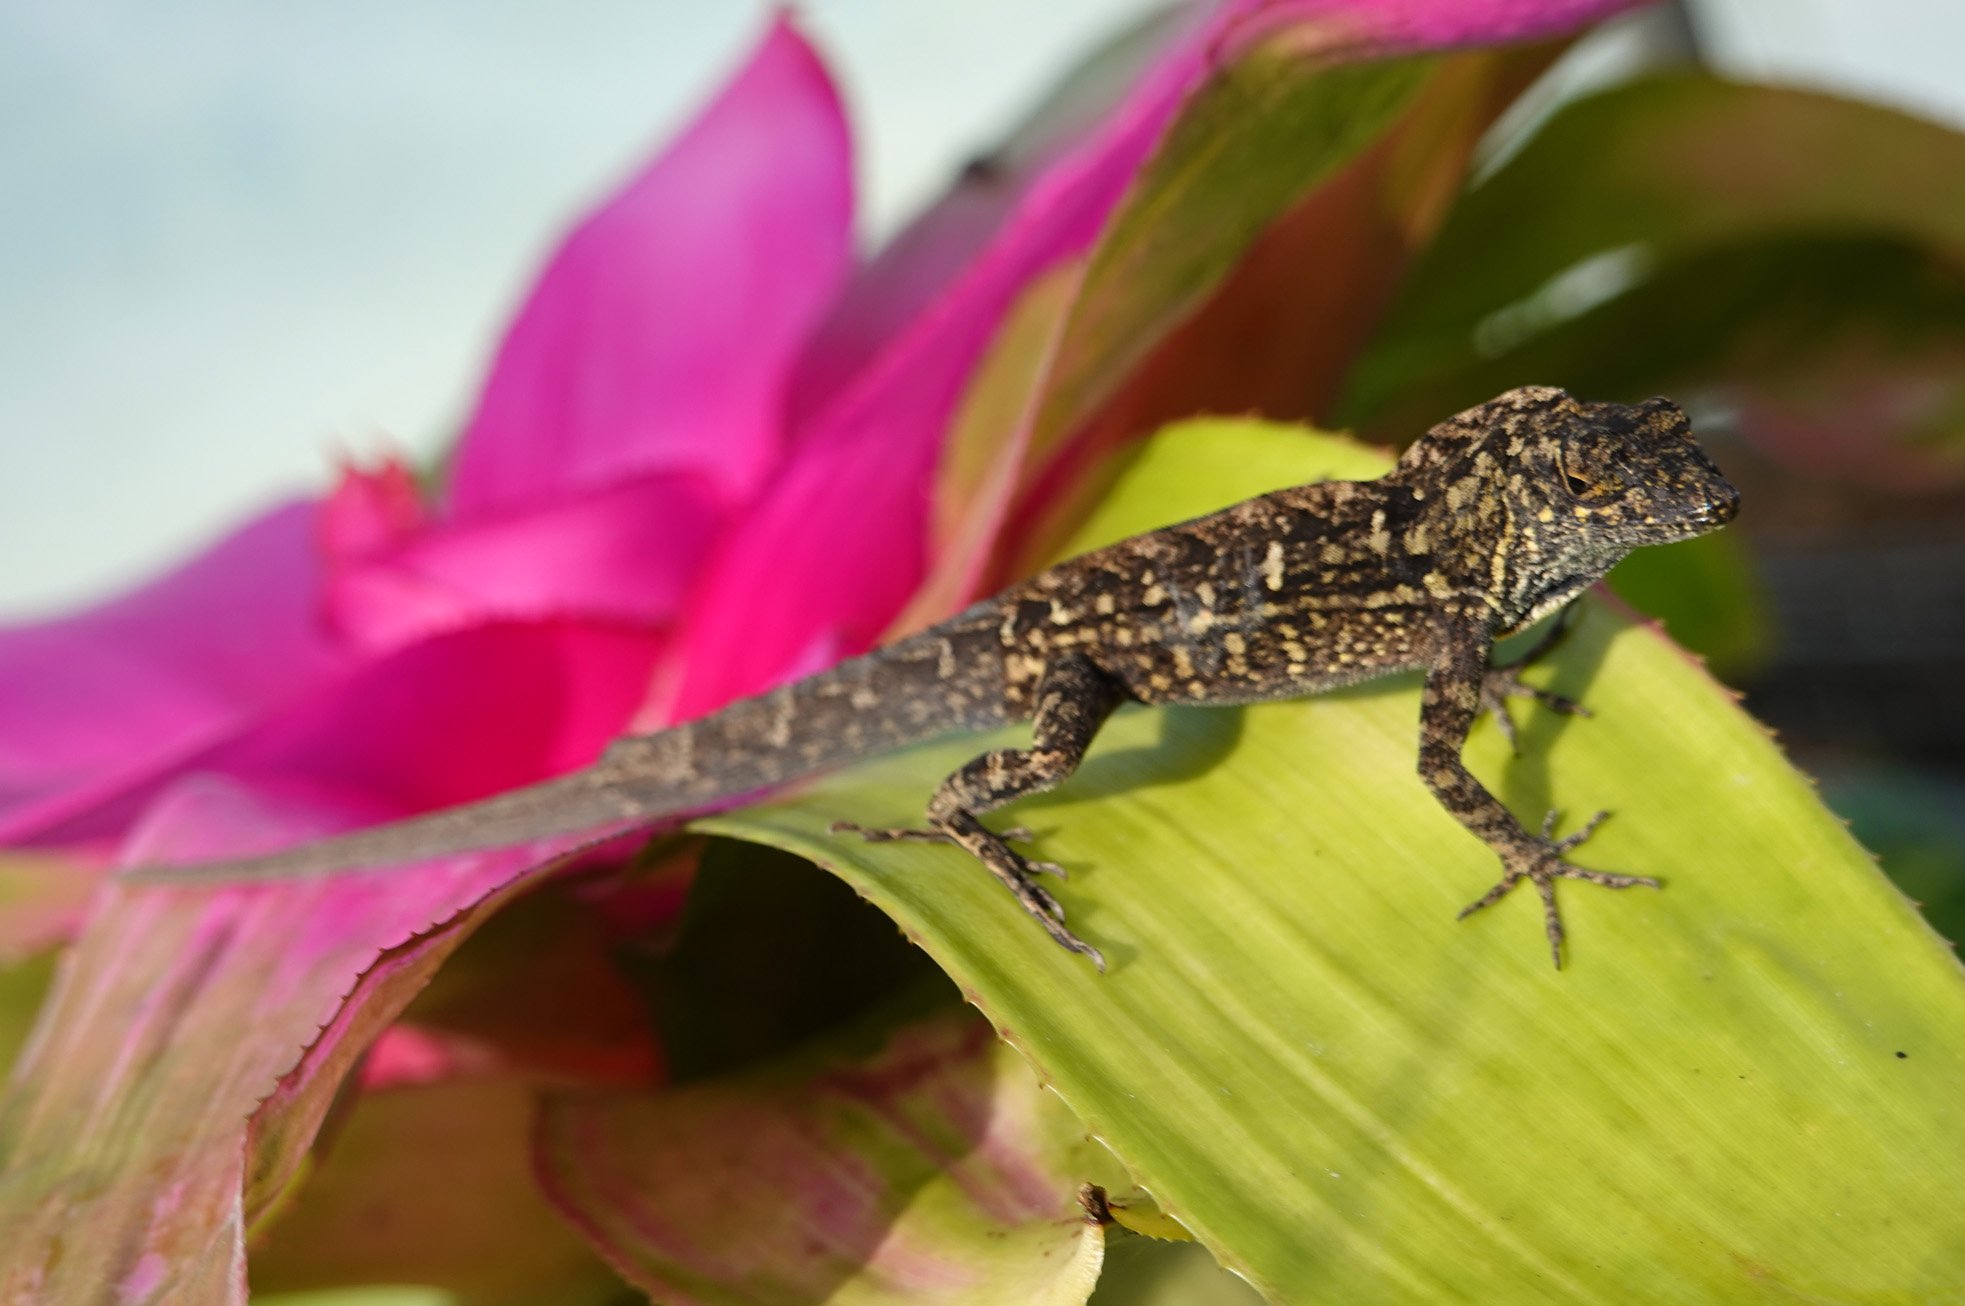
1741,1088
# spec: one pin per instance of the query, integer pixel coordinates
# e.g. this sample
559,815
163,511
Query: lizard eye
1578,480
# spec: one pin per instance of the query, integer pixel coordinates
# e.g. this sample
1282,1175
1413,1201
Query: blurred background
237,237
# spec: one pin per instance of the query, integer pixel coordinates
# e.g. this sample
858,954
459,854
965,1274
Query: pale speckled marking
784,713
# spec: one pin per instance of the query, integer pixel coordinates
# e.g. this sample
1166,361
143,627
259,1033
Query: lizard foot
905,834
1541,863
1503,683
1017,872
909,834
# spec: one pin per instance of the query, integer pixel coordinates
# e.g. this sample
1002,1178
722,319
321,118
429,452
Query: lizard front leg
1503,682
1074,698
1452,698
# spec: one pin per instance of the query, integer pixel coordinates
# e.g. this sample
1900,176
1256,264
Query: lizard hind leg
1074,698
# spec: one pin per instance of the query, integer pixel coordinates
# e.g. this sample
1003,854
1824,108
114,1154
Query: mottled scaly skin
1496,517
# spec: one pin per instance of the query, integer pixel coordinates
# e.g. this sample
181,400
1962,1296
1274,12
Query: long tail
581,802
931,684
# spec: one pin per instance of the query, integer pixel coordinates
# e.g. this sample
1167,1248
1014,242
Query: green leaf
933,1169
1240,271
1795,254
1199,466
1250,258
23,986
1261,133
1741,1088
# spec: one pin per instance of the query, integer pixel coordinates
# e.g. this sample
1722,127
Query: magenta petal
371,509
443,721
117,695
918,265
455,717
662,331
838,541
618,553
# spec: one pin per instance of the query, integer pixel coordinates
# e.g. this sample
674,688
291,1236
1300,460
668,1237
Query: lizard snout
1722,504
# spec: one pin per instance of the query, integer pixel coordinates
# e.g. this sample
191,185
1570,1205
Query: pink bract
631,412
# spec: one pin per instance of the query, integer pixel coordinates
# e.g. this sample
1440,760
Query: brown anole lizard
1493,519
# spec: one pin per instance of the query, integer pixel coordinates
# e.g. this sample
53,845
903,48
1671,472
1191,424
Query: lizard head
1625,475
1580,485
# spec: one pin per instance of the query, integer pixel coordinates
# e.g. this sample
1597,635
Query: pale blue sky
235,235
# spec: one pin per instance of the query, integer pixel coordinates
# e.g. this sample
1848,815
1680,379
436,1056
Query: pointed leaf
913,270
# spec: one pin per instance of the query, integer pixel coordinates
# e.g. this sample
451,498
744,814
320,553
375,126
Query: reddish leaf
122,1134
936,1170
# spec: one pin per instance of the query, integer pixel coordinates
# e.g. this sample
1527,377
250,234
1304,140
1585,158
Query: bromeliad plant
713,453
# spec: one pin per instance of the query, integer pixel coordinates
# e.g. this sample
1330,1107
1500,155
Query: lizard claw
1042,904
1044,900
1017,872
1540,862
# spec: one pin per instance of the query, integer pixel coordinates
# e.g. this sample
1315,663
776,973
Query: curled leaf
935,1170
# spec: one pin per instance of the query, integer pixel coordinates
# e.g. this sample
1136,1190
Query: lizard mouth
1720,508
